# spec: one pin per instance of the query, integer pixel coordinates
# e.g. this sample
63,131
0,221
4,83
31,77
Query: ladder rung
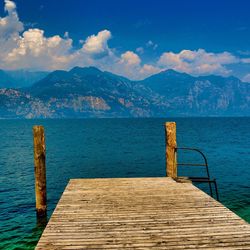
190,164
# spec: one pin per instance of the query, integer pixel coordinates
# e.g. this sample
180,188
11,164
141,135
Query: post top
38,127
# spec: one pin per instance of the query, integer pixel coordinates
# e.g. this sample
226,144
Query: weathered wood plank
141,213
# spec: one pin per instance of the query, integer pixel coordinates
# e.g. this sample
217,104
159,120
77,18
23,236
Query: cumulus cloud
198,62
130,64
10,26
29,48
9,5
246,78
97,45
147,70
35,50
130,58
245,60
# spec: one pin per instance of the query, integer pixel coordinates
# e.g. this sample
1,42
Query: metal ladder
206,179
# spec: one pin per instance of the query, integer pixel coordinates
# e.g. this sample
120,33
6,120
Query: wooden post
40,171
171,158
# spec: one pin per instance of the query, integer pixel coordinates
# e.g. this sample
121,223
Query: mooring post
171,145
40,171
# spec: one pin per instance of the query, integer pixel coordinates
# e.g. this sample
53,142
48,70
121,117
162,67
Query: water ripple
111,148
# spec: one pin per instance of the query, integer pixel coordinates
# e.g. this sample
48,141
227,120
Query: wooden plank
141,213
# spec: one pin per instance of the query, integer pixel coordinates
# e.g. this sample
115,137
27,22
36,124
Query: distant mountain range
20,78
90,92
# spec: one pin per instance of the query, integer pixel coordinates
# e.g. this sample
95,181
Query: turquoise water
112,148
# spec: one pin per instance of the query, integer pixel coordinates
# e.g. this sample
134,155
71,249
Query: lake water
112,148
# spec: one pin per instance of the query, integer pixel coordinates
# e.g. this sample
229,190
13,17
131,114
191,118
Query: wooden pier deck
141,213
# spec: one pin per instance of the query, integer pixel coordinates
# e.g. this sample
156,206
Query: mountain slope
17,104
169,83
25,78
91,92
19,78
205,96
6,81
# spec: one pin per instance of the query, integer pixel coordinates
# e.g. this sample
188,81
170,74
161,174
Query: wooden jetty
142,213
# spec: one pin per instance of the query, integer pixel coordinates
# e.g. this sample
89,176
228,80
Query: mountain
17,104
90,92
25,78
6,81
201,96
20,78
169,83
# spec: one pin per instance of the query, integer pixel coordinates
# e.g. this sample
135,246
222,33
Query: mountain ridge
20,78
90,92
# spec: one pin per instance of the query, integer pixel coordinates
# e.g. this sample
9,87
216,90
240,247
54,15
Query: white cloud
245,60
34,50
140,50
9,6
23,48
130,58
198,62
148,70
148,45
130,64
66,34
10,26
98,44
151,44
244,52
246,78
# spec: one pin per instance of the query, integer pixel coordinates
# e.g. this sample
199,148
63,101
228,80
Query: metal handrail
200,152
202,179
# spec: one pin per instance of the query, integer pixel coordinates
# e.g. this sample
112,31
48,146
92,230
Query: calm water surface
90,148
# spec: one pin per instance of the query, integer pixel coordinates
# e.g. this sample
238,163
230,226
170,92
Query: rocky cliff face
201,96
16,104
89,92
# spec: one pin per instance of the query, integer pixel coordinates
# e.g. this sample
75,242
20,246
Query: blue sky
132,38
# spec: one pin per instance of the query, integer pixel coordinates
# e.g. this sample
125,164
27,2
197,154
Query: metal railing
204,164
